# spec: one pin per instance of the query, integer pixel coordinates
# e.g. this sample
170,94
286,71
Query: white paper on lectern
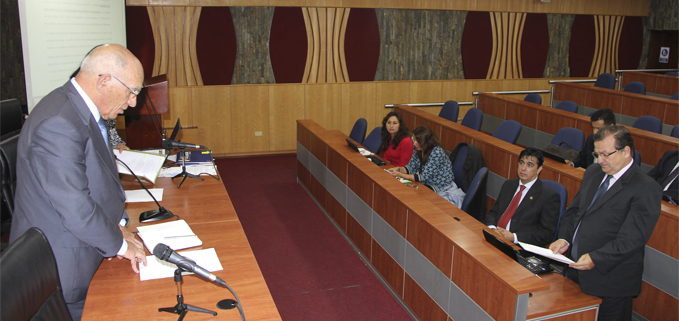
545,252
159,269
140,195
175,234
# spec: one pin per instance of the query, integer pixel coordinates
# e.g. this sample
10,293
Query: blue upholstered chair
675,131
675,96
374,140
358,131
672,73
563,195
458,166
574,137
450,110
568,105
637,157
533,98
635,87
509,131
474,201
605,80
650,123
473,119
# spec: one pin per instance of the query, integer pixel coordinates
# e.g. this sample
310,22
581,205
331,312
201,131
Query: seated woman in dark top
430,166
396,143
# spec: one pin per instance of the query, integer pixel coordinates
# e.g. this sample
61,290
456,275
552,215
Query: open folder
176,234
144,165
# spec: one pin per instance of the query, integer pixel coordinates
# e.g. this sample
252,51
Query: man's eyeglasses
604,155
135,92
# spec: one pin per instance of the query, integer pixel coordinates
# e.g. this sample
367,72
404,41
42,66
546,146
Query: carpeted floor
312,273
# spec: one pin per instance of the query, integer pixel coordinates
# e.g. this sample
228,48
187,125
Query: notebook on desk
372,158
530,262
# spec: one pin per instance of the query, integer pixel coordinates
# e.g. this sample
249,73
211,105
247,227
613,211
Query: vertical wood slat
607,41
507,32
326,30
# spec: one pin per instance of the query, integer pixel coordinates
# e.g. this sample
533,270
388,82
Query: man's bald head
109,58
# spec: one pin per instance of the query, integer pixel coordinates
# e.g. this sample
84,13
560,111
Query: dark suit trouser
611,308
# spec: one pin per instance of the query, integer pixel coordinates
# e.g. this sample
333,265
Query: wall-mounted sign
664,54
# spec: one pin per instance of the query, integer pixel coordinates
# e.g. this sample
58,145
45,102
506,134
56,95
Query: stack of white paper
176,234
158,269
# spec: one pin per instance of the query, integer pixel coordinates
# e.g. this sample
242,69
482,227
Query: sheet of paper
140,195
364,152
158,269
143,164
545,252
175,234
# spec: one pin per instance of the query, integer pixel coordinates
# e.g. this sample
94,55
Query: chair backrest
605,80
473,119
574,137
450,110
474,202
11,117
533,98
675,131
8,161
358,131
672,73
568,105
675,96
650,123
635,87
509,131
637,158
31,289
458,165
563,195
374,140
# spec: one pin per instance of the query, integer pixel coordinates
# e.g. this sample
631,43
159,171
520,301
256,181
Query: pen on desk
178,236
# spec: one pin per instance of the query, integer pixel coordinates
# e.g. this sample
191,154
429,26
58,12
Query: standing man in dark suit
665,173
607,225
600,119
526,209
67,181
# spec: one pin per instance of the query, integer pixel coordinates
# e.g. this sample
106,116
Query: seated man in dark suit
600,119
526,209
665,173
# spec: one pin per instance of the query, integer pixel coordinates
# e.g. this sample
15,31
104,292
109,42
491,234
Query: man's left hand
583,264
130,237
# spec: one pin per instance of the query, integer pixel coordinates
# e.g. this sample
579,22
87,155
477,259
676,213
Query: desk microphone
149,216
172,144
165,253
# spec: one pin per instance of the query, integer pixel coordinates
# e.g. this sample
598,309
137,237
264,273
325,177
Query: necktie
103,130
602,189
670,178
507,216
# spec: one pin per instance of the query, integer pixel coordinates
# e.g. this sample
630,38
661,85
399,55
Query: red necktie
504,220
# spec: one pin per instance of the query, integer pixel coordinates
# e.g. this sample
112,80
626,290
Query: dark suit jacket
585,158
68,186
664,168
537,216
615,230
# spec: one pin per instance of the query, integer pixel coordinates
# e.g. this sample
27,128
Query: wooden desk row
116,293
624,103
652,146
659,297
431,253
655,83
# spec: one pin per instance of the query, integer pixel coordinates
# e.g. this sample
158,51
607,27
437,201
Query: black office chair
11,118
31,289
8,161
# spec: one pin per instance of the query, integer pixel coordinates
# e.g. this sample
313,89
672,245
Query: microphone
149,216
172,144
165,253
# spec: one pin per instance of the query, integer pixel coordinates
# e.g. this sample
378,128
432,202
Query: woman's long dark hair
427,140
400,134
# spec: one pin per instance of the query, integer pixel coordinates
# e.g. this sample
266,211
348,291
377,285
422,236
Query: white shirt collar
90,104
617,175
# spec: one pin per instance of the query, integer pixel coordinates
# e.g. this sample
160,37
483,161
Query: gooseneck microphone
165,253
172,144
153,215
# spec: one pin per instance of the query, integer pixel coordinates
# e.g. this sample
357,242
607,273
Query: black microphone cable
161,210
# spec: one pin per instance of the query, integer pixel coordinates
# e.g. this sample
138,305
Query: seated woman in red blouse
396,143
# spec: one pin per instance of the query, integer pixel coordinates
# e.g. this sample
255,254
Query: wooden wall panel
426,92
389,93
358,101
359,236
212,116
664,237
323,104
429,4
286,104
250,114
361,3
551,123
420,302
647,303
336,211
396,4
437,248
181,106
388,268
390,209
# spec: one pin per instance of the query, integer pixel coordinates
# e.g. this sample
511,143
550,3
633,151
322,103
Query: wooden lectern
143,124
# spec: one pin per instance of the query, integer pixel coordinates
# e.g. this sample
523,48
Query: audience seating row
663,84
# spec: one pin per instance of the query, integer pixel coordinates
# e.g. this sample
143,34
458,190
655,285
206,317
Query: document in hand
545,252
176,234
144,165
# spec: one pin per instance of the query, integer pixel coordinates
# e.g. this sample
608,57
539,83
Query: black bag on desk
562,151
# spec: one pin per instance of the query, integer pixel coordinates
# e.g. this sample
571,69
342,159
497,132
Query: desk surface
116,293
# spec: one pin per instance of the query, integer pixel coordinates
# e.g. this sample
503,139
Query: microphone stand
181,308
184,174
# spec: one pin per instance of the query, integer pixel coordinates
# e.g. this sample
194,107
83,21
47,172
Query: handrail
622,72
476,93
551,82
464,103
